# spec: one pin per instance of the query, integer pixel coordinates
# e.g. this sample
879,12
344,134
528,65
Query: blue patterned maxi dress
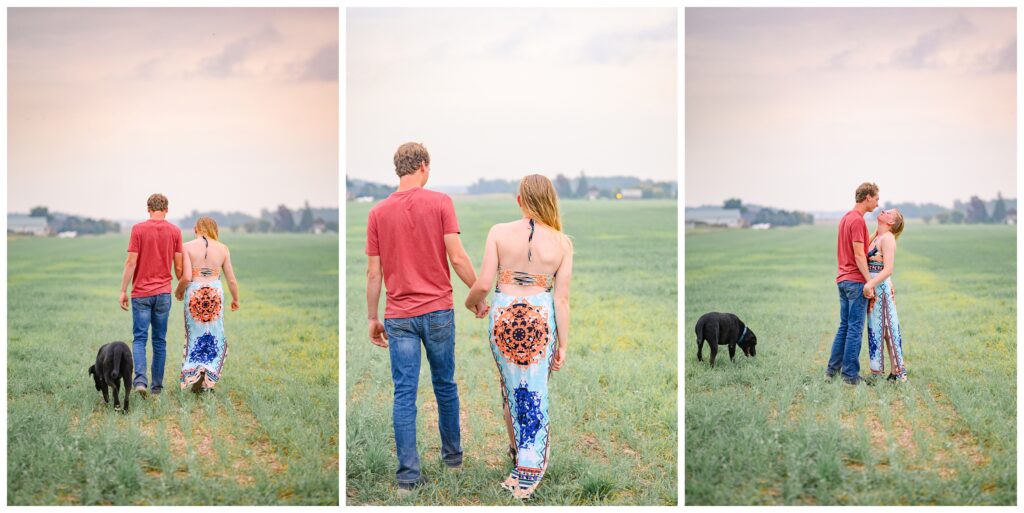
884,325
205,343
523,341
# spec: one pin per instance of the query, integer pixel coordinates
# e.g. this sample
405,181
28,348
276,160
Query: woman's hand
559,358
179,295
869,290
234,305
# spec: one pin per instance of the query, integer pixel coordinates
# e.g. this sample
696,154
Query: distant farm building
632,194
27,225
713,216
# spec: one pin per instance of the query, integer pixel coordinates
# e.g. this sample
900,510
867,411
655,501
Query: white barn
729,217
17,223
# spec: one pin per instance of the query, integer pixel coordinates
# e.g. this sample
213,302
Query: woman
883,323
528,257
206,346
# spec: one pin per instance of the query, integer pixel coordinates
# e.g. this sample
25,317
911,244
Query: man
152,247
853,298
410,238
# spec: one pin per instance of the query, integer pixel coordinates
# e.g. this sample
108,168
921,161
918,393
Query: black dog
724,328
113,366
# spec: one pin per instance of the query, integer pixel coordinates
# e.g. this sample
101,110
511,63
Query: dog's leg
117,394
732,352
106,399
700,341
713,341
127,390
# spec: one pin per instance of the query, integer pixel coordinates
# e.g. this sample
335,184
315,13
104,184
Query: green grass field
769,430
269,433
613,407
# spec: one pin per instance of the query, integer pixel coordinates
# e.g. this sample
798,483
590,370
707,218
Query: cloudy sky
500,93
795,107
219,109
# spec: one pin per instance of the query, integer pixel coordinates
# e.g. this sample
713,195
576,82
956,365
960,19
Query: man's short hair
408,158
866,189
157,202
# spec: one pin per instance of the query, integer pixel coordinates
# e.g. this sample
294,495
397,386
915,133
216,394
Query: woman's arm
229,273
888,245
562,278
488,269
186,275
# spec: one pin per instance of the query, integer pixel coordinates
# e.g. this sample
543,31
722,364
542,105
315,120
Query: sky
794,108
218,109
500,93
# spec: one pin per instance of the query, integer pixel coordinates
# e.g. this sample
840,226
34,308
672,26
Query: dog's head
96,377
749,343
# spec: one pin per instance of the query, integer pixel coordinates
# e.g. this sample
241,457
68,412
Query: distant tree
733,203
956,217
582,186
40,212
306,224
999,211
283,221
976,211
562,186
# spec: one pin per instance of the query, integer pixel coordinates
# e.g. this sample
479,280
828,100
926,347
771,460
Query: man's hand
124,301
559,358
179,295
378,335
481,309
869,291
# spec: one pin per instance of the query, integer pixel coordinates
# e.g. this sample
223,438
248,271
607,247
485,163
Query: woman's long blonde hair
206,226
540,201
897,223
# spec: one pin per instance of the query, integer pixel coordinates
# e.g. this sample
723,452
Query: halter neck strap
529,242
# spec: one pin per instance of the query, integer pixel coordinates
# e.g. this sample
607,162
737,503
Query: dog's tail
92,370
700,331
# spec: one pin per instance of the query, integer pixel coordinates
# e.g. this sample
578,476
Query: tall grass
768,430
269,433
613,407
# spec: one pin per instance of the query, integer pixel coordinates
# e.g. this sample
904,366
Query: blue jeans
147,311
436,331
853,308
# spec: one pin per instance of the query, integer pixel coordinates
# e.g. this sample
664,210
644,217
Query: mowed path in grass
613,406
768,430
269,433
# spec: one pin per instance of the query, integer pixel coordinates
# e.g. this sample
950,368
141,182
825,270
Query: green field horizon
613,406
768,430
267,435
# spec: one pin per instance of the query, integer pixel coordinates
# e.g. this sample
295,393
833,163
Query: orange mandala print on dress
204,304
521,333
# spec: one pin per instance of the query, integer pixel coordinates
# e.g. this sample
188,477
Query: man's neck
408,182
157,216
861,207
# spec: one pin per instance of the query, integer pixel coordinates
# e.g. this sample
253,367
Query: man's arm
374,276
460,260
862,265
179,266
126,277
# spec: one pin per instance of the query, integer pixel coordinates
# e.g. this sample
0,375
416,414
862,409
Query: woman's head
539,201
893,219
206,227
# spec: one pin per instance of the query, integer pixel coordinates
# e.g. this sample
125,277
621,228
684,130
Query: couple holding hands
411,237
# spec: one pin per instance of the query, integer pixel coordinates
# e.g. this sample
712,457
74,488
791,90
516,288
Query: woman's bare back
203,256
541,255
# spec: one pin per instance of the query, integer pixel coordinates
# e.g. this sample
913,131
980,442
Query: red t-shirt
156,241
852,228
407,231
